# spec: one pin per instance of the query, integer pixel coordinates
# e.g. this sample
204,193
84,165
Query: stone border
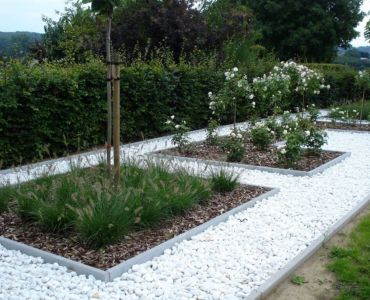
118,270
319,169
268,286
348,130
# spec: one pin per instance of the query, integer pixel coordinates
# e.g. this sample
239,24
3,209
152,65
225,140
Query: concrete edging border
118,270
268,286
172,158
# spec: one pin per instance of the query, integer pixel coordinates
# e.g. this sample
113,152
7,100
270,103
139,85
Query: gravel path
224,262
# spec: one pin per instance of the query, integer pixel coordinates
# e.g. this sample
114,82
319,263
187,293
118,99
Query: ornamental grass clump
100,211
6,193
223,182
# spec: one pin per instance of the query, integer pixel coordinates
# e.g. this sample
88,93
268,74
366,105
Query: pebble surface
227,261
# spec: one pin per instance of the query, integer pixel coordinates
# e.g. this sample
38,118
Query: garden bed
343,126
138,239
253,156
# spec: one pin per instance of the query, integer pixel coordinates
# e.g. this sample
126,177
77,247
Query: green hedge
49,110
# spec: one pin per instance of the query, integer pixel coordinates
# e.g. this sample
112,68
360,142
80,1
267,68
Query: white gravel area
224,262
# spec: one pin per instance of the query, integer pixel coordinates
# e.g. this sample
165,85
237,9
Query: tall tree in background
75,36
307,29
106,8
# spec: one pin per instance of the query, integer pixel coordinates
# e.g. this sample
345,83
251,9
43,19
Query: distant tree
307,30
145,25
17,44
229,22
74,36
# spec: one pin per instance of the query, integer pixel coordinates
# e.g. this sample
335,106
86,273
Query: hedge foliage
49,110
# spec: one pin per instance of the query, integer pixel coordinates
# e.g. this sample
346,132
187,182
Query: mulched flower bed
345,126
254,156
68,245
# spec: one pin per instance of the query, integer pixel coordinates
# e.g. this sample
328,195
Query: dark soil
345,126
253,156
69,246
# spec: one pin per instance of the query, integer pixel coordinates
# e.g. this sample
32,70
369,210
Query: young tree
106,8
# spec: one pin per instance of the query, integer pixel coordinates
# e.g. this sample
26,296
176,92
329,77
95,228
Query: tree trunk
116,122
362,107
109,92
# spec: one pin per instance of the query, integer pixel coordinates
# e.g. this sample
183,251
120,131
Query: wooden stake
109,94
116,121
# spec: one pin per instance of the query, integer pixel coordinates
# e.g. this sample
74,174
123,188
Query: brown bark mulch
253,156
344,126
68,245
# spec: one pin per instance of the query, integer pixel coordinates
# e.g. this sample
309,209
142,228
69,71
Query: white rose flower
253,104
172,117
307,132
177,126
168,122
251,96
282,151
210,94
239,136
235,69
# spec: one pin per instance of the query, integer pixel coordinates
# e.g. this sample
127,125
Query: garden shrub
53,109
261,137
50,110
342,81
223,181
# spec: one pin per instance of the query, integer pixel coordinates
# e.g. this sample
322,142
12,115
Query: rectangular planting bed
352,126
165,208
254,159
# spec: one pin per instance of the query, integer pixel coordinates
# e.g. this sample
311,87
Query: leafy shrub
342,81
212,137
275,127
234,146
262,137
314,139
291,152
223,181
180,138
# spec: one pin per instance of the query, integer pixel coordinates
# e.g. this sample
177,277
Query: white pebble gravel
227,261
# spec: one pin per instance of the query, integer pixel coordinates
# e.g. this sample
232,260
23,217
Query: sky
25,15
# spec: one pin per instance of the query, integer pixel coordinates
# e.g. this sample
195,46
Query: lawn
351,265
